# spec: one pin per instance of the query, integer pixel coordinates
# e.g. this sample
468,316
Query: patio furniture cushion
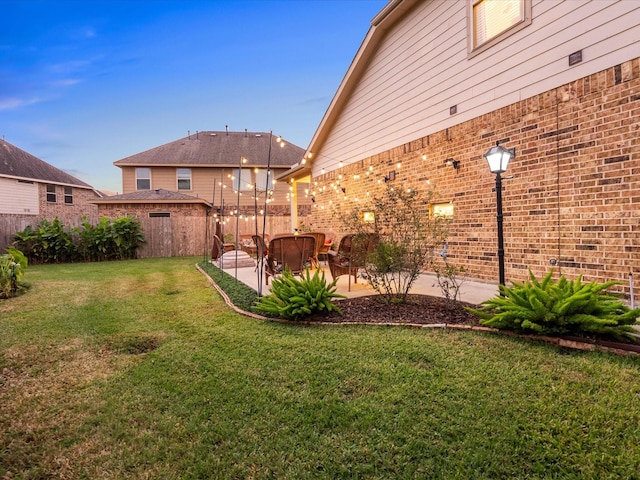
352,254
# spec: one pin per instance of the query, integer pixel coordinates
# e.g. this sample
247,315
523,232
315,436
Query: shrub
48,242
563,307
127,237
51,242
294,299
116,239
407,239
448,276
12,267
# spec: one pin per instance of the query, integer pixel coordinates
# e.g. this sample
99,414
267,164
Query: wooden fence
187,236
10,225
174,236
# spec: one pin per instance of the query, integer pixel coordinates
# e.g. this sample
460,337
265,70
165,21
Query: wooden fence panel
10,225
173,236
158,233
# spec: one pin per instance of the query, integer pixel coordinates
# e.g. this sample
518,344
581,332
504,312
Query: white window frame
68,195
183,178
475,48
140,177
243,177
261,179
52,196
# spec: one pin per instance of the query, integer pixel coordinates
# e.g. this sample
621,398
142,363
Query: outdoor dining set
298,252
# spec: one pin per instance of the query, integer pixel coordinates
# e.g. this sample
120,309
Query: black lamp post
498,158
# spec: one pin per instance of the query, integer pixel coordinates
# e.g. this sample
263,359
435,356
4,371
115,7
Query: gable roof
151,196
16,163
218,149
380,25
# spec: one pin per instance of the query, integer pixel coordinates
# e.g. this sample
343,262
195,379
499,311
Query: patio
471,291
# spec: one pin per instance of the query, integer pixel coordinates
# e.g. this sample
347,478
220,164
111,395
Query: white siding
422,67
18,198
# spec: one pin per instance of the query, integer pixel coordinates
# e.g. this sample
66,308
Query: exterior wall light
454,163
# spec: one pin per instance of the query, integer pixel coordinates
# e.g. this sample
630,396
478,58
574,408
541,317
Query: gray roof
152,196
218,149
15,162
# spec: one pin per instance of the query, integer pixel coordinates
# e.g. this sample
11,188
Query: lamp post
498,159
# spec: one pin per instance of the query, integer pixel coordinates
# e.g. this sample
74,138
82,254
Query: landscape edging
559,341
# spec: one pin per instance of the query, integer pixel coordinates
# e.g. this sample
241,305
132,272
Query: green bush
127,237
295,299
407,238
12,267
563,307
51,242
48,242
116,239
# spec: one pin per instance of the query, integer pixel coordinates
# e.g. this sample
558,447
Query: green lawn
138,369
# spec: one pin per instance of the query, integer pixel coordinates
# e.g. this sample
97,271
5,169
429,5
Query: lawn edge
558,341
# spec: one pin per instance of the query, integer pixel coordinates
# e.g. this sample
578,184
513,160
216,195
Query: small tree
448,276
408,235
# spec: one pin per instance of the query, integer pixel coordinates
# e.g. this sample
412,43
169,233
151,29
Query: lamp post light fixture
498,158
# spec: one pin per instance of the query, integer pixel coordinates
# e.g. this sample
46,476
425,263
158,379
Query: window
159,214
493,20
184,179
143,179
68,195
244,176
261,180
51,194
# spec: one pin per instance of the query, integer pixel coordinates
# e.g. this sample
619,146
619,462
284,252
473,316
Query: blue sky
86,83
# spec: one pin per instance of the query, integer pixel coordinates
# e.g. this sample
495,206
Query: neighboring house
32,190
436,83
231,172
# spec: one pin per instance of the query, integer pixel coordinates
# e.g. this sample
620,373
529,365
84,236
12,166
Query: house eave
296,172
106,201
380,24
47,182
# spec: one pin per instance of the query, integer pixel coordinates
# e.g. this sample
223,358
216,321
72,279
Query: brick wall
571,194
69,214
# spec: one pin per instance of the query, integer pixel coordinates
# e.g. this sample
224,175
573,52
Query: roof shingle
15,162
218,149
152,196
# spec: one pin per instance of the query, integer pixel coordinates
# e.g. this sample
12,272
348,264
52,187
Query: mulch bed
418,310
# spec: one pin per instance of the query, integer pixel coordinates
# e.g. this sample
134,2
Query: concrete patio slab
471,291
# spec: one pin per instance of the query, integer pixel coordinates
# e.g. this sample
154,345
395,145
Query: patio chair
261,248
315,263
220,248
352,254
292,251
328,242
